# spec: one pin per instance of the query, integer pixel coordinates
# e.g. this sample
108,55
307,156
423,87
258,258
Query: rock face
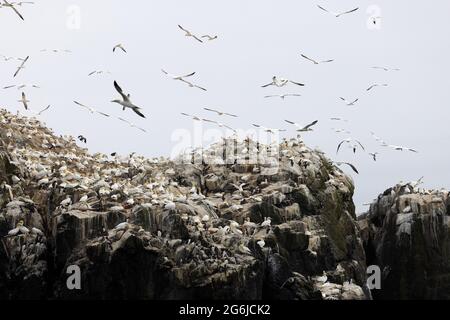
406,233
214,228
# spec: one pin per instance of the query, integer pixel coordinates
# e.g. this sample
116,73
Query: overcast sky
257,39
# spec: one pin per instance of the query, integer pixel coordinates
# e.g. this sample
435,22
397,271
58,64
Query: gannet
177,77
190,34
348,140
386,69
126,102
401,148
91,110
301,128
120,46
220,113
209,37
349,103
192,85
66,202
22,66
24,101
283,96
349,164
373,155
376,85
221,125
261,243
19,229
11,5
281,82
131,124
315,61
192,116
269,130
337,14
82,138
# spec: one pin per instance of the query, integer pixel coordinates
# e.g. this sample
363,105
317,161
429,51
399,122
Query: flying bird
11,5
281,82
209,37
401,148
219,124
386,69
374,155
192,85
126,102
177,77
192,116
315,61
349,140
22,66
269,130
119,46
24,101
283,96
337,14
131,124
220,113
91,110
301,128
350,165
190,34
82,138
349,103
376,85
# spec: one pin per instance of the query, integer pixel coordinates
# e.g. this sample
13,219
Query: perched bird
190,34
19,229
24,101
283,96
376,85
337,14
267,222
281,82
119,46
66,202
126,102
22,66
301,128
349,103
315,61
220,113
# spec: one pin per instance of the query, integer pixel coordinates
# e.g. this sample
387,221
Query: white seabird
301,128
386,69
177,77
220,113
283,96
209,37
349,103
376,85
190,34
126,102
11,5
315,61
269,130
337,14
131,124
192,116
349,164
22,66
24,101
219,124
119,46
348,140
281,82
91,110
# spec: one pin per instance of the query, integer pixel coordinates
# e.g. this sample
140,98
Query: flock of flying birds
125,99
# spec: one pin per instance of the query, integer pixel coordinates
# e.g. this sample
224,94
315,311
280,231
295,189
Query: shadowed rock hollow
185,229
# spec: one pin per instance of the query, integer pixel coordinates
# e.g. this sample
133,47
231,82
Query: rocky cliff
406,233
281,227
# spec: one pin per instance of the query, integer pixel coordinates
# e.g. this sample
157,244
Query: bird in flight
131,124
315,61
219,124
91,110
354,146
22,66
349,103
349,164
386,69
376,85
119,46
191,116
24,101
220,113
177,77
337,14
190,34
192,85
301,128
209,37
283,96
401,148
11,5
82,138
269,130
98,72
281,82
374,155
126,102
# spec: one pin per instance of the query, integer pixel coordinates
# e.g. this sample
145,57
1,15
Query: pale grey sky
257,39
